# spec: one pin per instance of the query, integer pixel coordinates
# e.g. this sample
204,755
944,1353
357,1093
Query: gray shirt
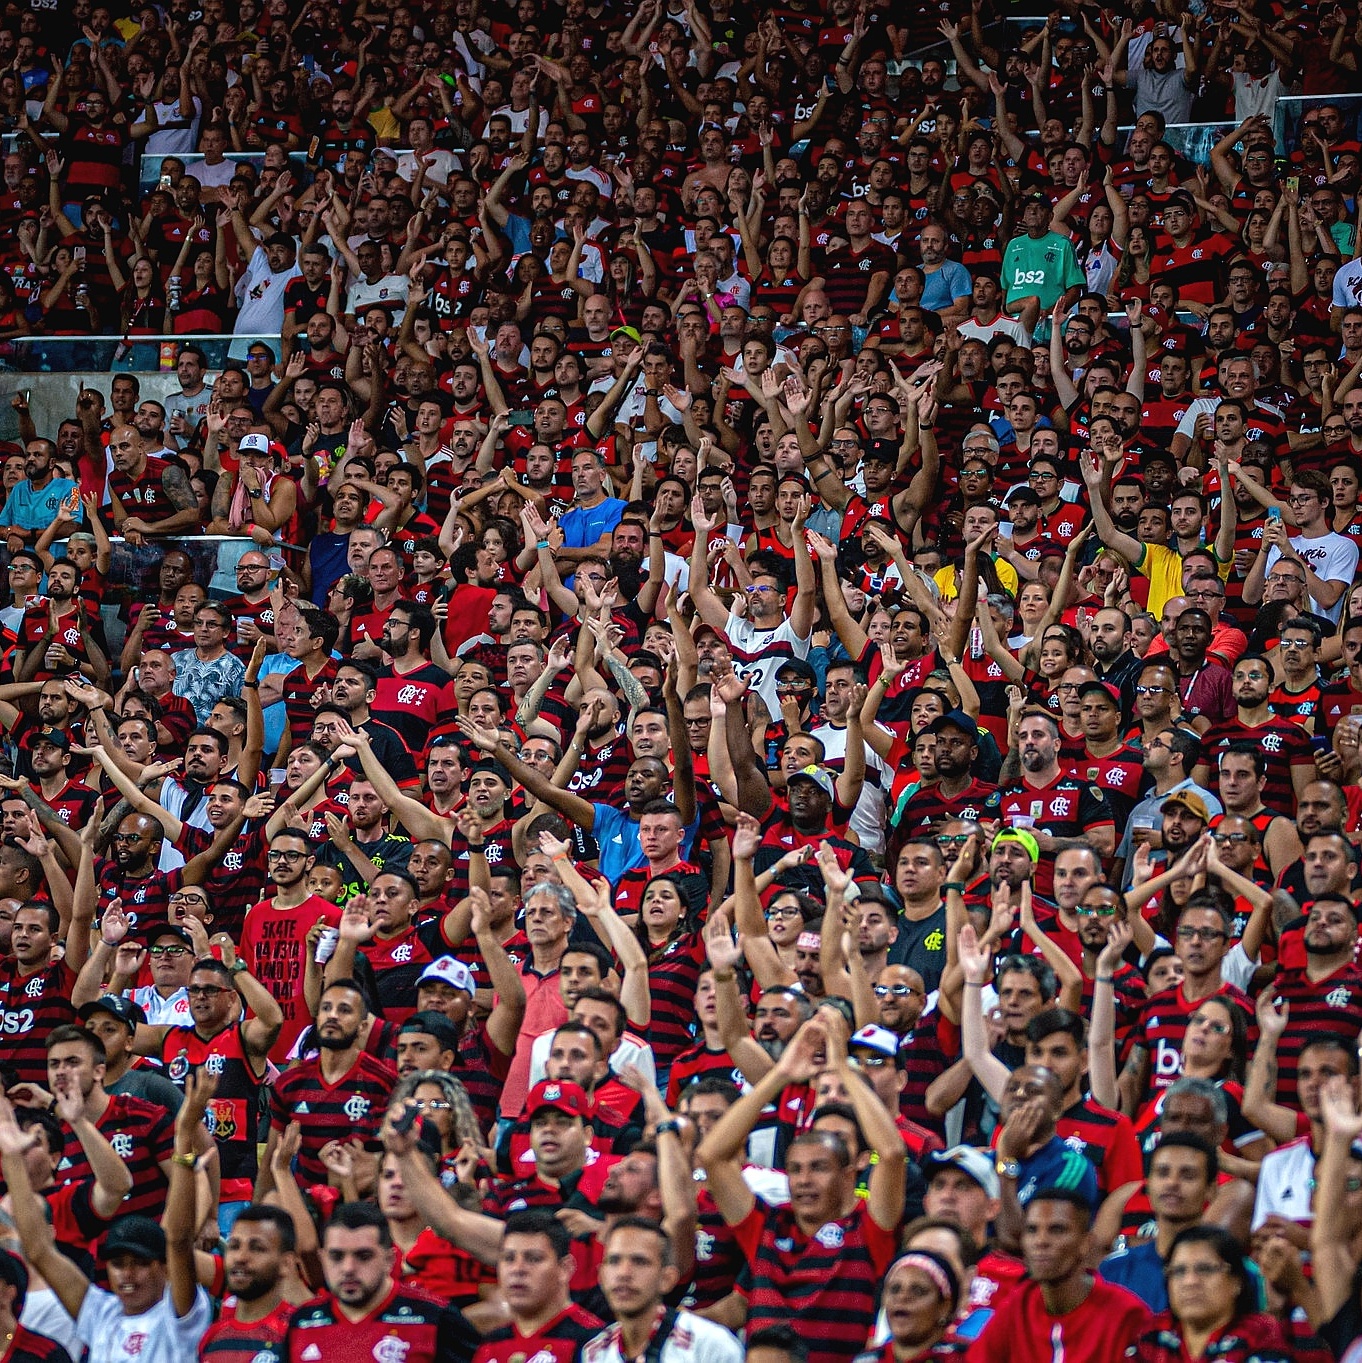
1160,92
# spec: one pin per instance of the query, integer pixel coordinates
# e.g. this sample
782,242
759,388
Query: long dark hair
1227,1250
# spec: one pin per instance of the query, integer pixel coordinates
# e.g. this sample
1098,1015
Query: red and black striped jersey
30,1007
696,1063
673,971
1284,745
143,1137
825,1285
1300,707
1328,1007
559,1341
1106,1138
233,883
145,899
1163,1025
229,1340
30,1347
297,695
927,807
354,1104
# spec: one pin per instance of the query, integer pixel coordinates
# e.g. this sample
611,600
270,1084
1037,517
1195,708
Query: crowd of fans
782,778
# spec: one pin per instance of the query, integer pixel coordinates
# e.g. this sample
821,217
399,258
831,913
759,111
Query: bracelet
671,1127
561,856
722,978
185,1161
958,885
1104,979
113,946
541,544
974,984
250,686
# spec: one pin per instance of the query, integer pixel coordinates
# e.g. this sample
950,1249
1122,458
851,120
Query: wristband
1104,979
974,984
722,978
671,1127
561,856
957,885
113,946
185,1161
250,686
541,544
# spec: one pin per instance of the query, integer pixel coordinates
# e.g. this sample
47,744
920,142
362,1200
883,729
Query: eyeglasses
953,839
1296,644
760,589
1068,686
1150,690
1201,935
1217,1028
1088,911
898,991
168,951
1295,498
1230,839
279,854
433,1105
207,991
874,1062
179,897
1201,594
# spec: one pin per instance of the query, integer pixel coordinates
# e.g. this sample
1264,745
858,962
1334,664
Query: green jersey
1045,268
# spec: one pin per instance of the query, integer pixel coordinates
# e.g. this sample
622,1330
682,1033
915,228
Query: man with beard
343,1089
411,691
57,636
149,497
273,937
73,800
37,499
1204,686
364,1312
1324,990
1059,810
956,793
1170,757
1285,745
353,691
587,528
1105,759
1114,661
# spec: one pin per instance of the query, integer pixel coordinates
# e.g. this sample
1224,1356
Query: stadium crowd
782,777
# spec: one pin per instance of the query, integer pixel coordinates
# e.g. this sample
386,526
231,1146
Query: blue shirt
37,510
1054,1165
1139,1270
942,287
616,836
583,526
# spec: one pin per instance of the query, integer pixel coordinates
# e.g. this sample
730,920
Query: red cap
562,1095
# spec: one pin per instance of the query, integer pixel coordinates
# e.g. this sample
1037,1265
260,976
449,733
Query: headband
943,1279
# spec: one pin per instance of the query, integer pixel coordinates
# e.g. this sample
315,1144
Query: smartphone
524,417
1274,515
313,148
78,254
1293,183
404,1123
165,182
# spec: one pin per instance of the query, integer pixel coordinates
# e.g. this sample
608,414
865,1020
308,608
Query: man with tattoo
149,497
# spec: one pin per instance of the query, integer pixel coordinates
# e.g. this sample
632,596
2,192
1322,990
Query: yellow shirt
1163,567
1007,576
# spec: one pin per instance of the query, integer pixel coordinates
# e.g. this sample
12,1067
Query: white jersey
758,654
1286,1179
692,1340
156,1336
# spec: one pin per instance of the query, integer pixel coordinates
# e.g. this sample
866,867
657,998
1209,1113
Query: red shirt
1101,1328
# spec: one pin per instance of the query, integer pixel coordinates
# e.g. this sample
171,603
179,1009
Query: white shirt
212,177
1332,558
868,816
260,293
1284,1183
999,326
632,1050
169,1012
439,167
177,133
692,1340
764,654
389,290
1348,286
156,1336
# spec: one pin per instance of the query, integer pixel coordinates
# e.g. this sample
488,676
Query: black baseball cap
125,1010
58,738
881,451
139,1236
433,1024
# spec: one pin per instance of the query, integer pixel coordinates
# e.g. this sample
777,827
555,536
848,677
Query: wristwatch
1008,1168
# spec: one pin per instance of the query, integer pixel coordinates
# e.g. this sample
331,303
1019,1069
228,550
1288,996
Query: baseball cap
560,1094
125,1010
954,719
433,1024
969,1160
497,770
1191,802
254,444
1093,688
1020,835
155,930
820,776
58,738
448,970
1022,493
878,1039
139,1236
799,668
630,332
881,451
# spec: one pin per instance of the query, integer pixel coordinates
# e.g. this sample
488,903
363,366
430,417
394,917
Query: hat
809,941
1024,494
432,1024
254,444
954,719
58,738
448,970
1182,200
139,1236
125,1010
820,776
804,671
497,770
969,1160
1094,688
1027,840
561,1095
1191,802
630,332
881,451
878,1039
155,930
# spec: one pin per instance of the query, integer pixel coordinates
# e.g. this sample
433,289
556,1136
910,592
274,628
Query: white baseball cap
451,971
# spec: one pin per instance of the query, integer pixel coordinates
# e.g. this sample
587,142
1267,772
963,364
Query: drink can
326,945
168,355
